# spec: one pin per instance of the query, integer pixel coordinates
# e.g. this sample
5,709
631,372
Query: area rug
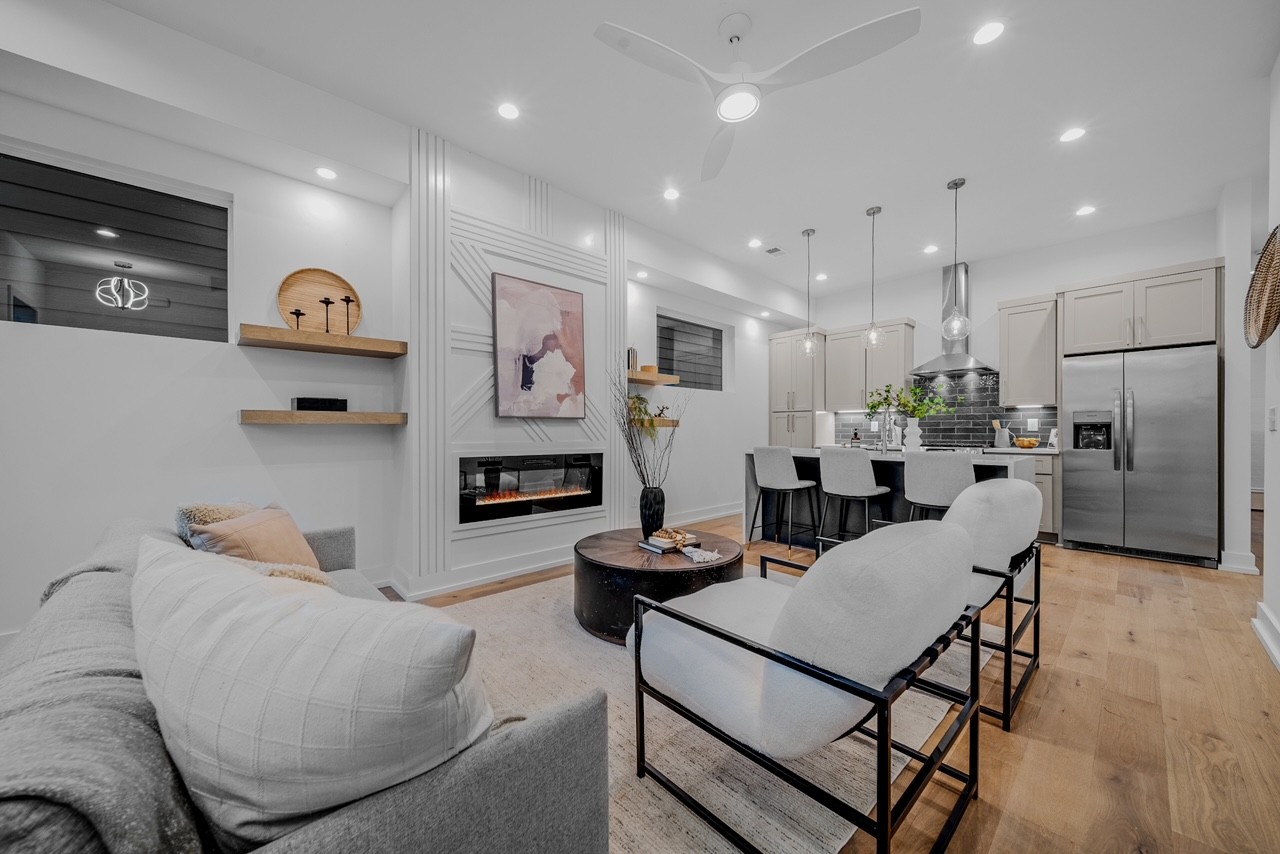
532,654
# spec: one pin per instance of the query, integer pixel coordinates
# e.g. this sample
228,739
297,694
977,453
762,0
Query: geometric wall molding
535,250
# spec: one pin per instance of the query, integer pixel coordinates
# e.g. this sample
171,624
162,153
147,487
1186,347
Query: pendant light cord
808,277
873,269
955,254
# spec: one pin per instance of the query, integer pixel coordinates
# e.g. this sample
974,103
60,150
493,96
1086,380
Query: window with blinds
691,351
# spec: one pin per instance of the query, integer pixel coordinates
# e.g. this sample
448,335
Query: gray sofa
85,767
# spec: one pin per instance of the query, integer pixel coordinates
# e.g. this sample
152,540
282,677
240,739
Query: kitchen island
888,468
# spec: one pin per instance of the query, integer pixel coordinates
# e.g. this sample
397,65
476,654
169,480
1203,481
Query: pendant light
874,337
957,326
809,343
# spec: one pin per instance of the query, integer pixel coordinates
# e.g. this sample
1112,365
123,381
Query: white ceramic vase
911,436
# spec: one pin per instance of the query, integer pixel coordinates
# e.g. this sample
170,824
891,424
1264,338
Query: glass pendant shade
956,326
809,344
874,338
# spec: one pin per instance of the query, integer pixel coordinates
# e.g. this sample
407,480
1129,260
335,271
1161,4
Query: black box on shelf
320,404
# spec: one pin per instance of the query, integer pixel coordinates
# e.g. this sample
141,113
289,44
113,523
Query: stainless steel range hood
955,358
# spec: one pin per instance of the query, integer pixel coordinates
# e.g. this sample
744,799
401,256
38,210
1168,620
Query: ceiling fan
737,93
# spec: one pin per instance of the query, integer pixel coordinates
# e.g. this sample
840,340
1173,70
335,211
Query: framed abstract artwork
538,350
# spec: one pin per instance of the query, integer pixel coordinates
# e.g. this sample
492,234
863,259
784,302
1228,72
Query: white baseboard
1268,628
483,573
1242,562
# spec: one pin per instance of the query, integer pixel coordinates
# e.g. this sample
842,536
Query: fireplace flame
513,495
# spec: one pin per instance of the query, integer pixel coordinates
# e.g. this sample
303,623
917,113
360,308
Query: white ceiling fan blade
842,51
717,152
656,55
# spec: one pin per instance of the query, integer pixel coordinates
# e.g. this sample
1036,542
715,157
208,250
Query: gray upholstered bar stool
932,481
776,472
847,475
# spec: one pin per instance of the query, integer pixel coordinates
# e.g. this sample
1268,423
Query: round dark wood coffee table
609,570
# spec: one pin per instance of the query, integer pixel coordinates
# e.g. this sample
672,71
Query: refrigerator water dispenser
1091,431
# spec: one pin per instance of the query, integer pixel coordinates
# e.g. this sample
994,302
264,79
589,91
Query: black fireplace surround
502,487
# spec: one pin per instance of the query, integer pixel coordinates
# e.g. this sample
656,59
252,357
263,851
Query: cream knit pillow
277,698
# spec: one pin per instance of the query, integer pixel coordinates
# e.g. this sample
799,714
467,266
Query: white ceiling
1173,94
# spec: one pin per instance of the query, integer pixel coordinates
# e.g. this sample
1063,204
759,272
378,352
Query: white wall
99,425
1040,271
1267,623
717,427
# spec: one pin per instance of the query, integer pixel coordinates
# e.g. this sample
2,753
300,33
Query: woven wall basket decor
1262,303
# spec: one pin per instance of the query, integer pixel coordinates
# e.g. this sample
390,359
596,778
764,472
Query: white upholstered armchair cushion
865,610
1002,517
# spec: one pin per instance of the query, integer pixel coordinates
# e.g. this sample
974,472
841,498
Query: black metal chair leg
866,516
791,509
754,514
822,520
777,517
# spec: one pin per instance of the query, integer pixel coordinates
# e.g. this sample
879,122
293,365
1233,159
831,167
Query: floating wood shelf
643,378
289,416
275,337
662,422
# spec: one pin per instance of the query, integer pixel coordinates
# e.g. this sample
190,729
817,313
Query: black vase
653,507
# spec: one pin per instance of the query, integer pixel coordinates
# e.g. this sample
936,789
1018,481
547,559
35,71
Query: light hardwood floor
1153,724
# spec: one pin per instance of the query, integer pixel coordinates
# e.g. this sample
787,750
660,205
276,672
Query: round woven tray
304,289
1262,303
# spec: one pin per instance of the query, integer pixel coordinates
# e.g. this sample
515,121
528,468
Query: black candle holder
326,302
348,300
298,314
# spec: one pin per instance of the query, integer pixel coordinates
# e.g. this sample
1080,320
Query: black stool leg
822,520
754,513
791,507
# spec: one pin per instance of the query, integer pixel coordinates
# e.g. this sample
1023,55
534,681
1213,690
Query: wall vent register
501,487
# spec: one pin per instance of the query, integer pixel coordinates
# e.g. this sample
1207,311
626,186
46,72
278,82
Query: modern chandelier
956,326
122,293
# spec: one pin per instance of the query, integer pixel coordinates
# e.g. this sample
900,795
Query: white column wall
1235,231
1267,622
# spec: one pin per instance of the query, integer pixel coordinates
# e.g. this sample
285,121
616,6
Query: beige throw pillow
277,698
207,514
268,535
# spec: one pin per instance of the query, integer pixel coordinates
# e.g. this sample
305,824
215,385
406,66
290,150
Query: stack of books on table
662,545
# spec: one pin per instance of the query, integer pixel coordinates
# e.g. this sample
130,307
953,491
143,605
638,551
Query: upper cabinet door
1180,309
887,364
1096,320
1029,354
846,371
780,374
809,375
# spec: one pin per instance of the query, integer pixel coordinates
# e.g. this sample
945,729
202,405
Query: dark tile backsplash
976,398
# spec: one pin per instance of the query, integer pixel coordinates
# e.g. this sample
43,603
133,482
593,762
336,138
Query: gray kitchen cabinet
1160,311
1178,309
853,369
1048,517
1097,320
797,382
1029,353
791,429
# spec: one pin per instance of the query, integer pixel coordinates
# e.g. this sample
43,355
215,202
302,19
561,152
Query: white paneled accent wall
475,218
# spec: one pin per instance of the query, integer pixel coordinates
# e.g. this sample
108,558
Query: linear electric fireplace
502,487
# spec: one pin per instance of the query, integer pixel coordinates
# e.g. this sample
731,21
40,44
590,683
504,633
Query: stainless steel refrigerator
1140,456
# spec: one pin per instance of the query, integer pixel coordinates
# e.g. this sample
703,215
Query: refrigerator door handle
1128,430
1117,419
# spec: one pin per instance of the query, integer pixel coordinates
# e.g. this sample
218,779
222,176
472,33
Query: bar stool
932,481
847,475
776,472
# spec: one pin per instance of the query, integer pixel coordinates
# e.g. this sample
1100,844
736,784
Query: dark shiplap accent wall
692,352
977,401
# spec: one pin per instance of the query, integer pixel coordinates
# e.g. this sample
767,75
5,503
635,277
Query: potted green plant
915,403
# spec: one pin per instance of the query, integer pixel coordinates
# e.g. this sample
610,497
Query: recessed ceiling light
671,194
988,33
1086,210
755,243
642,275
106,232
1071,135
509,111
821,277
326,173
930,249
764,314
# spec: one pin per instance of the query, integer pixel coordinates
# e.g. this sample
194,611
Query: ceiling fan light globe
956,326
738,102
